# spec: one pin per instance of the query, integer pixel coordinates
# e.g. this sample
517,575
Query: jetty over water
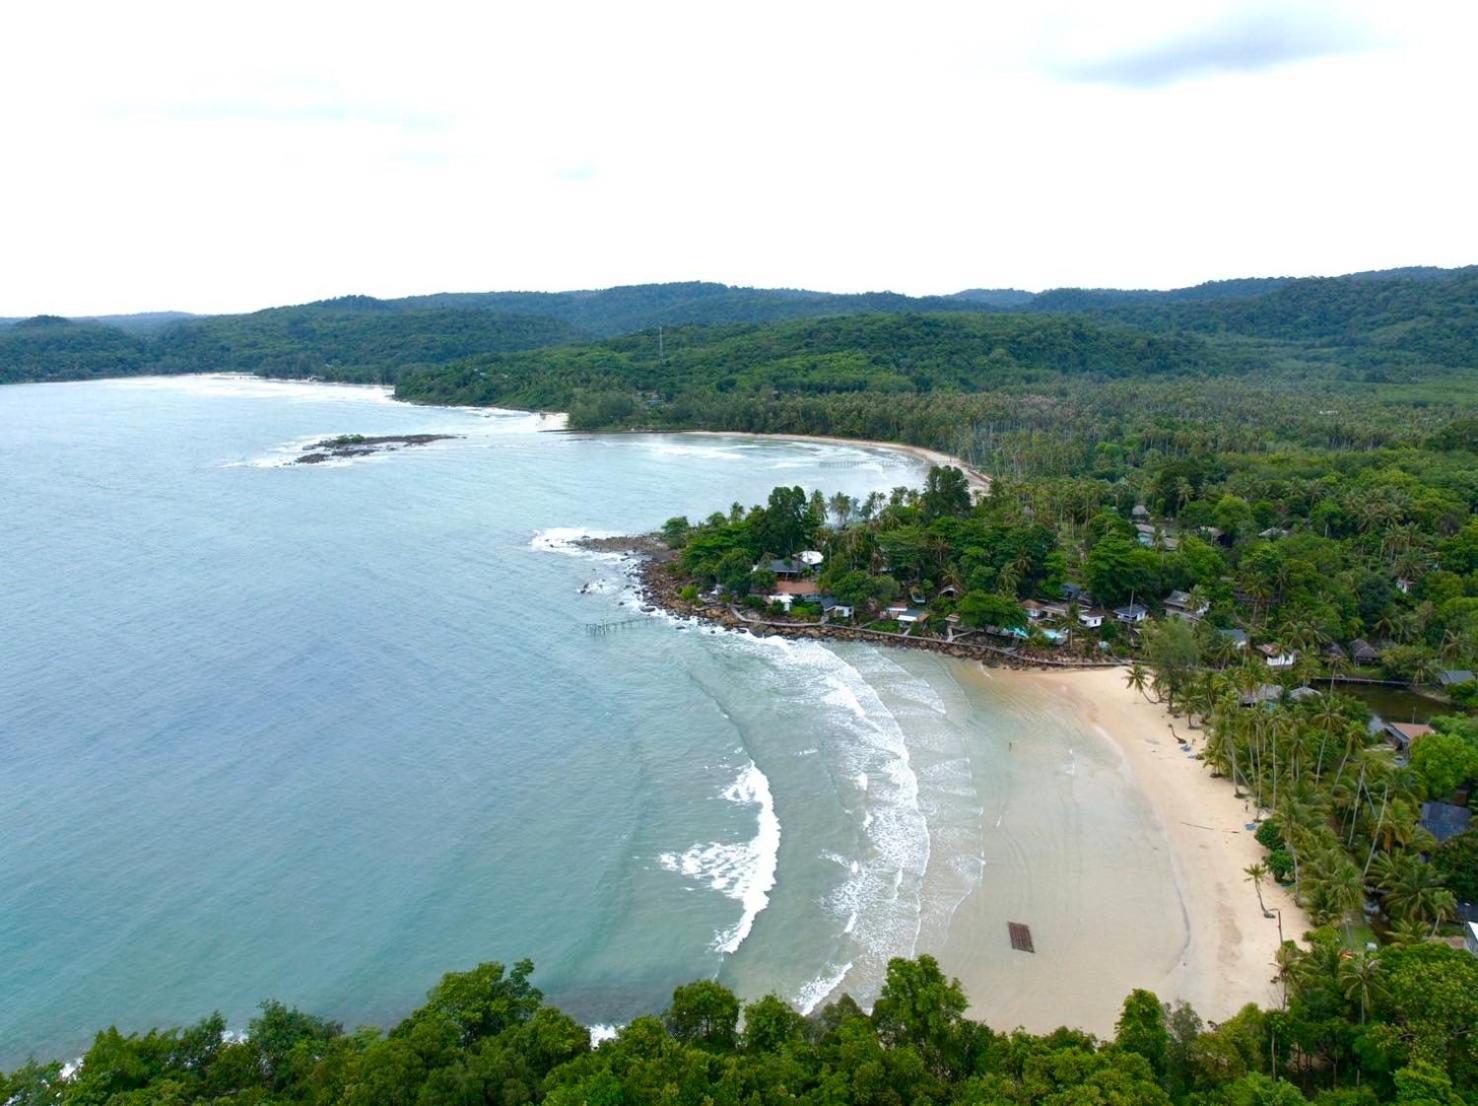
611,625
1021,937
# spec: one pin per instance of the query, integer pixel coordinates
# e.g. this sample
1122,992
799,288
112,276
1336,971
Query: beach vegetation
1392,1026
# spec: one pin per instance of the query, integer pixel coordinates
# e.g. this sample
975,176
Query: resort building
1404,734
1454,677
833,609
1092,619
1264,695
790,566
1278,657
1178,604
1132,615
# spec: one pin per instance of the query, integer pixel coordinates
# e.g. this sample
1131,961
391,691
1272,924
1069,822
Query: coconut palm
1360,978
1255,874
1138,677
1407,933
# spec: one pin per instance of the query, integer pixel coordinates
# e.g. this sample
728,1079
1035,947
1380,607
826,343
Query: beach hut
1263,695
1179,604
1404,734
1362,652
834,609
1132,615
1278,657
1454,677
1092,618
1237,638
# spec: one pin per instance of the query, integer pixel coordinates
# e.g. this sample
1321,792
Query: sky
228,156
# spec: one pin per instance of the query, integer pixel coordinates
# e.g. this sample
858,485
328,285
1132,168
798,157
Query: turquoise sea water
321,733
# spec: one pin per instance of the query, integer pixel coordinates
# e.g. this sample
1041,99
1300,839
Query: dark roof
789,565
1362,648
1231,633
1445,820
1133,610
1454,676
1178,599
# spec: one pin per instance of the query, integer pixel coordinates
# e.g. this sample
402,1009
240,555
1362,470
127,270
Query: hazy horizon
216,159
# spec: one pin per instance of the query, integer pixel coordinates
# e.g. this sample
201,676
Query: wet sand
978,480
1124,856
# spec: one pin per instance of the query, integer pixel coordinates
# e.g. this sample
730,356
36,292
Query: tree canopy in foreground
1397,1026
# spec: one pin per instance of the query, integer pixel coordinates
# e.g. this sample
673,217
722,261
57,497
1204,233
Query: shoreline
977,480
1174,903
1201,939
659,591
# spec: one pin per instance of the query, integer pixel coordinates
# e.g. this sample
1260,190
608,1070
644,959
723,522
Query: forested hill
1403,317
615,311
1423,315
639,377
343,340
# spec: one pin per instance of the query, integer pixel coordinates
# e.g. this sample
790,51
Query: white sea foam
706,452
563,539
810,996
744,871
879,902
601,1031
247,386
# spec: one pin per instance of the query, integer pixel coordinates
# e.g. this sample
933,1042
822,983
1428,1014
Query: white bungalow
1278,657
1092,619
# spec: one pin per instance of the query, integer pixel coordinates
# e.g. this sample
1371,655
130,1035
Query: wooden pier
610,625
1021,937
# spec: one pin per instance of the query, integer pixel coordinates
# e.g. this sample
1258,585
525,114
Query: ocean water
321,733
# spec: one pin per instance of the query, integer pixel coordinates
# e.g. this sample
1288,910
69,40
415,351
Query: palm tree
1360,977
1255,874
1138,678
1414,891
1407,933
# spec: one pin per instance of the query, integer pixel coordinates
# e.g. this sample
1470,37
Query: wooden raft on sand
1021,937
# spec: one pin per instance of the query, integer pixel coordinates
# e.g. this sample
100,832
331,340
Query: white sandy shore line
1203,940
978,480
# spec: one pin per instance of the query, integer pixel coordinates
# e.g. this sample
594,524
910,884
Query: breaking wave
744,871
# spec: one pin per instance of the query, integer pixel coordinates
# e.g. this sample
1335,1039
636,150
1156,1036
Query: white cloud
225,157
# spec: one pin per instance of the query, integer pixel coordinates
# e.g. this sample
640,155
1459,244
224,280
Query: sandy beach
1118,895
978,480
